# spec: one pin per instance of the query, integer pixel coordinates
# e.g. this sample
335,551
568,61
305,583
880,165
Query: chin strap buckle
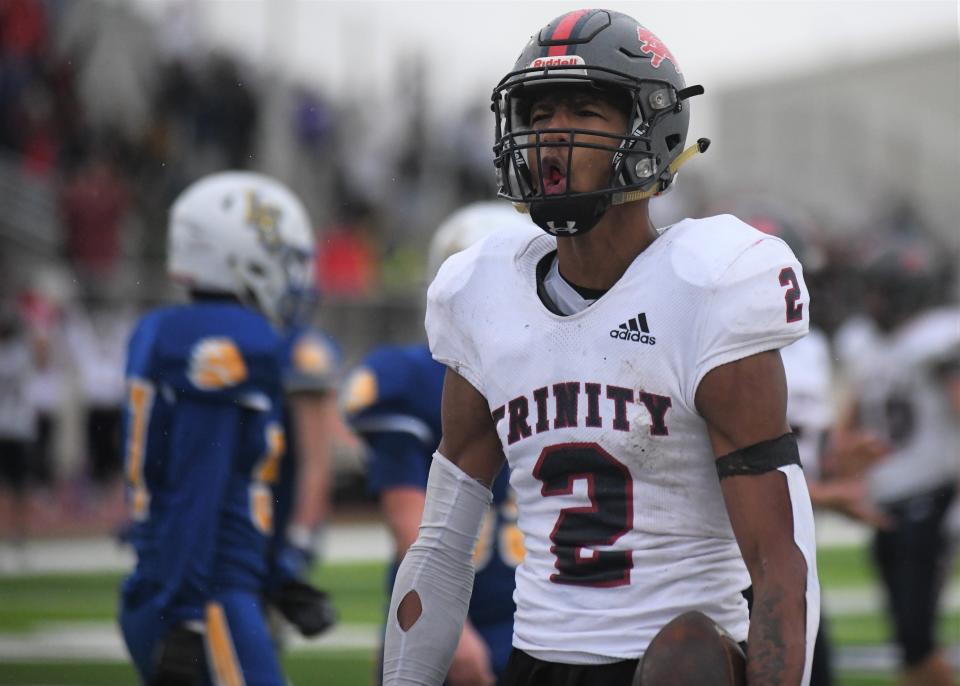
632,196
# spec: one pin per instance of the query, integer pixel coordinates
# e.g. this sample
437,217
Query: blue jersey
204,440
393,401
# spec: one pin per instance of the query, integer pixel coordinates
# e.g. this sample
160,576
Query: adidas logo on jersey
636,330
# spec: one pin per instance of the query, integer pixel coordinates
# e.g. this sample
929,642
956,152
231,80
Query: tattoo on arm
767,649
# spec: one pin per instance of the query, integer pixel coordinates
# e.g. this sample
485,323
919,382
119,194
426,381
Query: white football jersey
900,399
619,500
809,403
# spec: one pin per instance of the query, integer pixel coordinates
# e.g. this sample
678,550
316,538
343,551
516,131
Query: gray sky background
352,49
470,45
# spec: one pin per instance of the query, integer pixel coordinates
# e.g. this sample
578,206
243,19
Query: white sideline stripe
866,599
369,542
102,641
345,543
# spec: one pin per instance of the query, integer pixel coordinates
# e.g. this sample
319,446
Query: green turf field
53,602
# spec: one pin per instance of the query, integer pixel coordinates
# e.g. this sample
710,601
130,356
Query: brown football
692,650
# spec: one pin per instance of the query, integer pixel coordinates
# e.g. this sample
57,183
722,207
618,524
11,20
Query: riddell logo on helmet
559,61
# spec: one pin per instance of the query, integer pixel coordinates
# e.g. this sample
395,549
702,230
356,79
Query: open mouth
554,176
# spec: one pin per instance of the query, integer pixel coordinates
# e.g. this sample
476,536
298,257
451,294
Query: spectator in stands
17,416
94,206
42,306
346,262
97,332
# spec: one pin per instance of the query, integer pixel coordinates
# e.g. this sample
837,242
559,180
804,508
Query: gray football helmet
613,52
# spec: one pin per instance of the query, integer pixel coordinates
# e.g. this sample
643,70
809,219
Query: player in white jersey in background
903,363
631,379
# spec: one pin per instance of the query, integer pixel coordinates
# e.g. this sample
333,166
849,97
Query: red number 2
608,516
789,278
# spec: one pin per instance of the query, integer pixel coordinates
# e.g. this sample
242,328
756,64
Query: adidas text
634,336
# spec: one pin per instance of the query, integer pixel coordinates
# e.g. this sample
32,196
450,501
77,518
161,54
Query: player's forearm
777,640
313,493
314,460
402,510
773,521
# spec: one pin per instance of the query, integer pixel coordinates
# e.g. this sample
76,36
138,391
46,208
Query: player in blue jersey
203,434
393,401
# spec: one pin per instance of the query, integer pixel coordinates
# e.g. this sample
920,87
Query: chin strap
632,196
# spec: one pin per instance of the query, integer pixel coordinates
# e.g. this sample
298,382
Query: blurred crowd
117,115
104,118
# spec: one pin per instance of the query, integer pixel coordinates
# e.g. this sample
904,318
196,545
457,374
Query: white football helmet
245,234
467,226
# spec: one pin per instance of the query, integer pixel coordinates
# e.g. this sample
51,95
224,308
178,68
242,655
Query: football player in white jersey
630,377
902,364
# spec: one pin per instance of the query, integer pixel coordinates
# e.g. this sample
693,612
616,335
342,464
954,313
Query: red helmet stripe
563,31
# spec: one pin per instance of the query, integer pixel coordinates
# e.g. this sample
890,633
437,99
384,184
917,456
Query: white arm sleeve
438,567
805,539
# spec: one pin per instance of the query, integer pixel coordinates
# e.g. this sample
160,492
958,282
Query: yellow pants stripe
226,667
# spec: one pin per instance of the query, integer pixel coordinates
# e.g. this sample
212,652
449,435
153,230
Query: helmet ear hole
256,269
673,140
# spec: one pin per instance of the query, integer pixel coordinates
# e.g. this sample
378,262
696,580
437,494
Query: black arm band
760,457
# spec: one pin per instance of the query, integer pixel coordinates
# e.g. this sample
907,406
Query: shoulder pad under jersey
752,296
311,362
459,291
394,389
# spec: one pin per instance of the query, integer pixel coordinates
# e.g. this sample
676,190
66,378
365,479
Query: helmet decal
653,46
265,219
565,31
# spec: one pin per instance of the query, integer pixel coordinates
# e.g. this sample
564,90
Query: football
692,650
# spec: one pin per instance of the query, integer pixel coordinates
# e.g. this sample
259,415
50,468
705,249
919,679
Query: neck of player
599,258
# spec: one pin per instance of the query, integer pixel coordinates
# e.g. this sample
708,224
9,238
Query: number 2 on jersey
608,516
789,278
